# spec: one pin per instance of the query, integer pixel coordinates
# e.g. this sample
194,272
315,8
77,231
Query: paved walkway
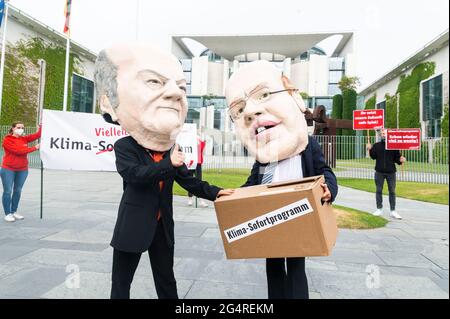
38,258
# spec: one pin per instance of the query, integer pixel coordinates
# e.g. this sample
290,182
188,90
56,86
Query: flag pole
2,62
66,75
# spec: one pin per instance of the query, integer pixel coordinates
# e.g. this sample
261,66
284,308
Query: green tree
336,112
348,106
370,104
20,88
409,94
390,116
444,123
348,83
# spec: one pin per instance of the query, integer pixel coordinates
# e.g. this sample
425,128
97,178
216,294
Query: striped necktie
268,174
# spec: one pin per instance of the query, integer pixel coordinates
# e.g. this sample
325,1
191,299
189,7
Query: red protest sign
368,119
403,139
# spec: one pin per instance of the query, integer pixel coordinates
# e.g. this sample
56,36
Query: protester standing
385,170
14,170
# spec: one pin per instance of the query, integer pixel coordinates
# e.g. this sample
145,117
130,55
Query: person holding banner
385,170
268,114
144,90
14,169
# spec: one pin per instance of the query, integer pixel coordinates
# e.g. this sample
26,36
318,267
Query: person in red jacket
14,169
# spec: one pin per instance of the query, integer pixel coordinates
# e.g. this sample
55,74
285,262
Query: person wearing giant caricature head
268,114
143,89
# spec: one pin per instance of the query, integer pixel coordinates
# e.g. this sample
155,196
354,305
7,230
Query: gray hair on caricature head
105,77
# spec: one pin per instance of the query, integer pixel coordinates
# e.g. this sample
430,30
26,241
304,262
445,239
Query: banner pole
42,191
2,59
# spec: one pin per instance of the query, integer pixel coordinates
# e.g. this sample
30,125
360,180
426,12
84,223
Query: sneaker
378,212
18,216
190,202
203,204
10,218
395,215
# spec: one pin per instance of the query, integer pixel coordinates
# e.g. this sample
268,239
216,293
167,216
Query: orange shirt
158,156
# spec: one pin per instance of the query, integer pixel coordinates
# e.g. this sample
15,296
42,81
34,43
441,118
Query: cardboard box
284,219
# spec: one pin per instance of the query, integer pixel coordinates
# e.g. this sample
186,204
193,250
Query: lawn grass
409,166
433,193
226,178
346,217
234,178
355,219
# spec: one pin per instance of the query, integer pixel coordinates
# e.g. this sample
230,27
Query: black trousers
286,278
197,172
161,260
379,182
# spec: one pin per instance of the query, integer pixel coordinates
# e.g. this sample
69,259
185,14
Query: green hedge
348,106
20,90
444,124
336,112
409,94
390,118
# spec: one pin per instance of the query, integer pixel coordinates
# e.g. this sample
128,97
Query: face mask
18,131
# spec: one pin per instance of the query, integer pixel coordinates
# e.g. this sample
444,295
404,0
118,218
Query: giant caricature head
267,112
144,90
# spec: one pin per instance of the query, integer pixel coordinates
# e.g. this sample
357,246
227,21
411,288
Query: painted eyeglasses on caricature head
257,96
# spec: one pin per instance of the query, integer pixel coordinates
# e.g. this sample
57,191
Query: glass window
326,102
187,64
336,64
308,103
432,105
432,99
194,102
433,128
193,116
382,106
333,89
187,75
219,117
335,76
82,94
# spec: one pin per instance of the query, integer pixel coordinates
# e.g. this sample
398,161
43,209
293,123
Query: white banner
269,220
187,139
85,142
78,141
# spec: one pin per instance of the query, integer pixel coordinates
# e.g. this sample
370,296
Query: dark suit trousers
161,260
286,278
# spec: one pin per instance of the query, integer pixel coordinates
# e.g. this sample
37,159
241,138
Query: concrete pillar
235,65
199,76
203,117
226,75
210,116
287,67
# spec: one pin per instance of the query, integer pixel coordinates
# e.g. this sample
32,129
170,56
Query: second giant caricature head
267,112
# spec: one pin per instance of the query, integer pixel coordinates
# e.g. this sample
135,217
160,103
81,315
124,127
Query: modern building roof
289,45
49,32
430,48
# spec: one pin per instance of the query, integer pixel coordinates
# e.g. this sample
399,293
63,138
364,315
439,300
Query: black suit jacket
313,163
142,199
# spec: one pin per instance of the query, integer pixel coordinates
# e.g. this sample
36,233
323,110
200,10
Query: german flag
67,15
